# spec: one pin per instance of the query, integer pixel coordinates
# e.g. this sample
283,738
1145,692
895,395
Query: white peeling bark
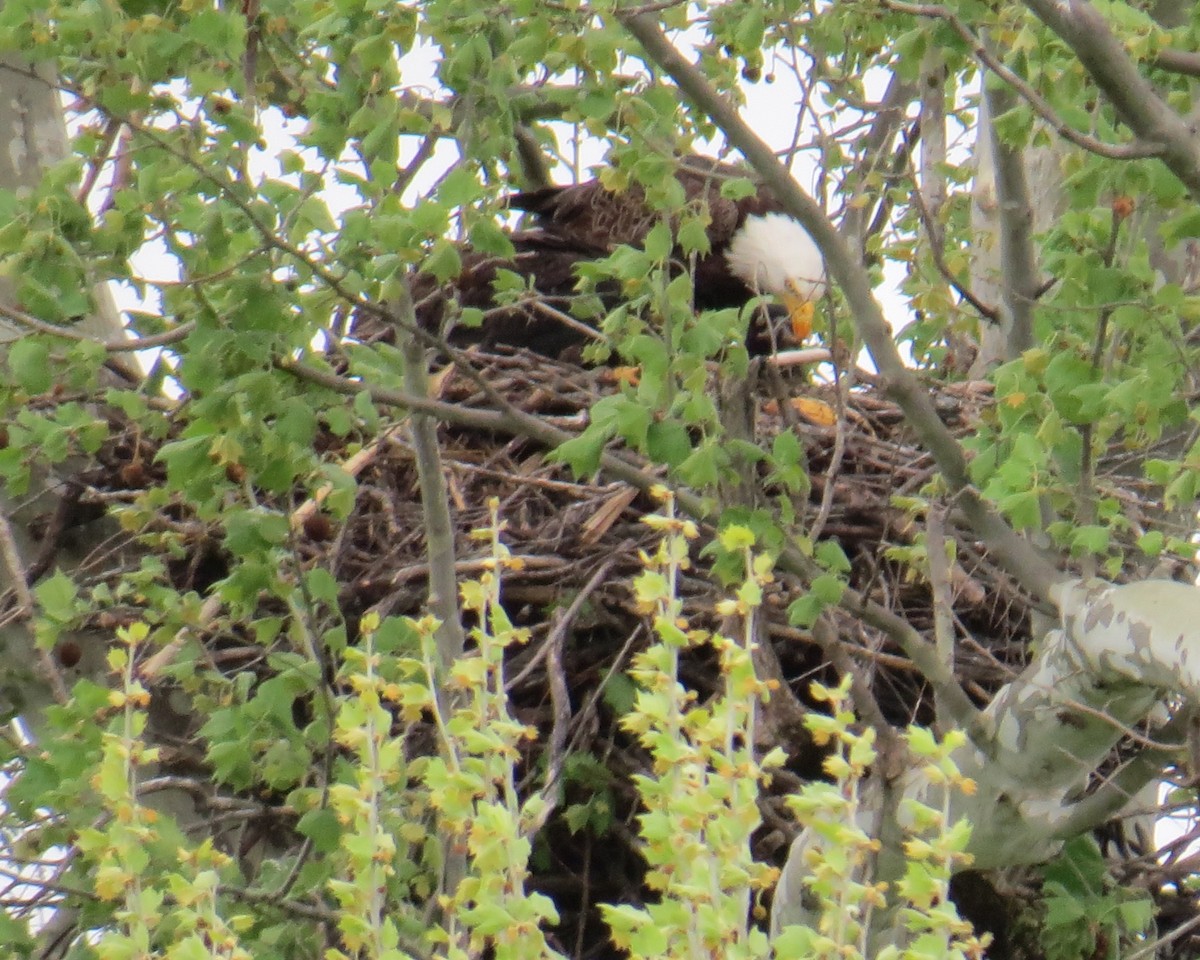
1119,653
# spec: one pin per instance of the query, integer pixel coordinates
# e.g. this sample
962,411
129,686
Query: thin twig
111,130
110,346
937,253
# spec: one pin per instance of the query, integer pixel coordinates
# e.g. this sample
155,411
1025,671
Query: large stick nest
568,529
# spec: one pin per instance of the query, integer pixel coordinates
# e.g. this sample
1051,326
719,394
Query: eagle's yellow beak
800,310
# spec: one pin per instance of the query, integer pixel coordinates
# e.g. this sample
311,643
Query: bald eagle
754,248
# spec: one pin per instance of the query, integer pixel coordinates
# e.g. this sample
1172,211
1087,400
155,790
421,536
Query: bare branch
110,346
1179,61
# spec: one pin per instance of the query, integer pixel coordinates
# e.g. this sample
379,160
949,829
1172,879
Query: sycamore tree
322,641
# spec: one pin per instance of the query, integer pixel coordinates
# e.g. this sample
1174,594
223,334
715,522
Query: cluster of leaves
699,799
399,838
839,852
392,834
1086,913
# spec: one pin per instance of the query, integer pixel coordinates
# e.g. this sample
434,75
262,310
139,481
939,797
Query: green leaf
1023,509
57,596
1079,871
832,557
16,934
667,441
1181,227
1152,543
255,530
186,460
444,261
693,235
314,212
1137,914
659,242
582,454
488,237
702,468
1090,539
29,361
459,188
804,610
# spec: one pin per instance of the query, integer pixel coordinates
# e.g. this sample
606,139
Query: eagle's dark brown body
595,220
545,260
583,222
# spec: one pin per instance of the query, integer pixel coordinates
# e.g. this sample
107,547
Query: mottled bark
1119,654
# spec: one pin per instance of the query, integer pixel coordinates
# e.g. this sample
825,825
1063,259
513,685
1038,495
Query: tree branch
1019,282
1017,556
439,527
110,346
1137,103
1179,61
1027,93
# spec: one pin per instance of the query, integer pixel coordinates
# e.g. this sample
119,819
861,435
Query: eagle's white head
774,254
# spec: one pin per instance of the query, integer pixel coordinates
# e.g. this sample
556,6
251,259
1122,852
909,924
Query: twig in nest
551,651
166,656
354,466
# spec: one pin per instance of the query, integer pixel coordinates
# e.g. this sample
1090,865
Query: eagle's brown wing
545,261
588,216
591,217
